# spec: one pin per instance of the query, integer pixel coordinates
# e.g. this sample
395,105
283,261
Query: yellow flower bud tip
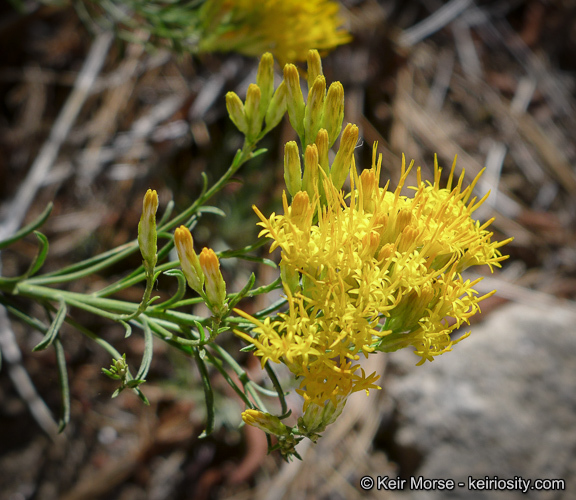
386,252
292,168
301,211
264,421
408,239
310,179
334,111
265,80
294,99
252,110
343,159
322,142
214,282
236,112
369,190
314,108
314,66
147,228
370,244
188,258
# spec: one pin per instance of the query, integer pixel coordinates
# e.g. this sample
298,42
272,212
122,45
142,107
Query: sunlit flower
372,270
287,28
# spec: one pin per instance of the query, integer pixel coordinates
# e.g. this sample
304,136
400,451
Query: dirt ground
491,82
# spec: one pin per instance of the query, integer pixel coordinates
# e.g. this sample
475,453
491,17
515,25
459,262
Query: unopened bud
408,239
251,108
314,66
341,165
188,258
333,111
369,190
386,253
265,81
301,212
314,109
277,107
147,238
236,113
310,179
323,148
413,306
294,99
214,282
370,244
266,422
292,168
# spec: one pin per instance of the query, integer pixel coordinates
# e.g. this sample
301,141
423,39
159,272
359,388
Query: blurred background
492,82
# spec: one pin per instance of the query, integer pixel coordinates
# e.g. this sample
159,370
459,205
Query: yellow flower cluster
371,271
287,28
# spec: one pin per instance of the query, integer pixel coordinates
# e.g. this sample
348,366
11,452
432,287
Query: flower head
374,270
287,28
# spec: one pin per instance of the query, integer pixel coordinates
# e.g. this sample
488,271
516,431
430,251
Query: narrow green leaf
279,391
36,223
179,293
54,328
128,328
148,348
234,299
64,385
207,209
41,256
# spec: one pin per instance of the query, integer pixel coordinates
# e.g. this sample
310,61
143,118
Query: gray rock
501,404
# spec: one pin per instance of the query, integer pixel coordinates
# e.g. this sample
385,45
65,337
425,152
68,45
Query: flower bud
277,107
314,109
251,108
292,168
314,66
147,237
266,422
369,190
341,165
411,309
310,179
322,142
214,284
333,111
301,212
370,244
294,99
316,418
265,81
188,258
236,112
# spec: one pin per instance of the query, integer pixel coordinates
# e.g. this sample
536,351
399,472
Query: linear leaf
64,385
54,328
36,223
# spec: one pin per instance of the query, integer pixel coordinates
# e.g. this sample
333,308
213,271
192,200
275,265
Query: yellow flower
372,270
287,28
